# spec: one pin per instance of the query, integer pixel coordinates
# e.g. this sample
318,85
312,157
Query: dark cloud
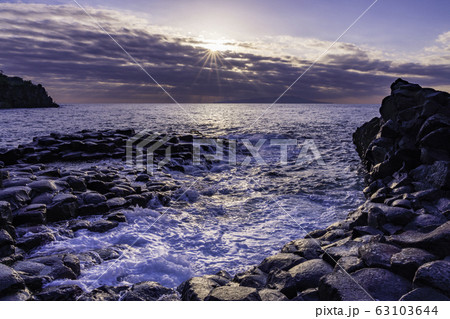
60,47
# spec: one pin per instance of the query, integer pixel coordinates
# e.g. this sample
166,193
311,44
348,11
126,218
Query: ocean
230,216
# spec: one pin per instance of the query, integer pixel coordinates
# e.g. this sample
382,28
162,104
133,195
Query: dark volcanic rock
101,226
271,295
283,261
196,288
407,261
60,293
233,293
436,242
147,291
378,254
6,244
435,274
424,294
35,214
63,206
10,281
307,274
16,196
364,284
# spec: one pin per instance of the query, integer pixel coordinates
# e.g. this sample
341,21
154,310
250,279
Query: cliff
17,93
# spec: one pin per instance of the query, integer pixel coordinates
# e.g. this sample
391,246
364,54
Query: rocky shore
18,93
396,246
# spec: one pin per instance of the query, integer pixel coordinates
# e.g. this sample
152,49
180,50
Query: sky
213,51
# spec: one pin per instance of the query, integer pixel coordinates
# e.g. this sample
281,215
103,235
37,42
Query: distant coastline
16,92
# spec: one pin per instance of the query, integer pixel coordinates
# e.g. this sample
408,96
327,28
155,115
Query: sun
218,45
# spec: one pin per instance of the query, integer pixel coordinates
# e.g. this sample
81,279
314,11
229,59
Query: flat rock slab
17,196
435,274
364,284
233,293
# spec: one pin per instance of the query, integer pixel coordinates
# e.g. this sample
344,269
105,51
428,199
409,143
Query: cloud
60,47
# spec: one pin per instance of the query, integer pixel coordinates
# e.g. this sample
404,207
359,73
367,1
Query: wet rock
347,249
76,183
271,295
98,186
233,293
349,264
35,240
359,231
54,266
6,244
365,285
116,203
60,293
63,206
283,281
78,224
435,274
283,261
408,260
5,212
142,178
103,293
308,248
307,274
21,295
101,226
425,223
117,217
92,209
10,281
43,186
93,198
147,291
108,253
378,254
16,196
137,200
424,294
382,214
436,242
311,294
34,214
122,190
44,198
196,288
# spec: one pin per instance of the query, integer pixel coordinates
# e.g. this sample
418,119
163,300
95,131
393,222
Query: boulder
35,240
10,281
60,293
63,206
435,274
308,248
6,244
436,242
283,261
349,264
271,295
76,183
196,288
347,249
283,281
93,198
101,226
16,196
307,274
408,260
34,214
364,284
117,203
378,254
43,186
233,293
424,294
146,291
